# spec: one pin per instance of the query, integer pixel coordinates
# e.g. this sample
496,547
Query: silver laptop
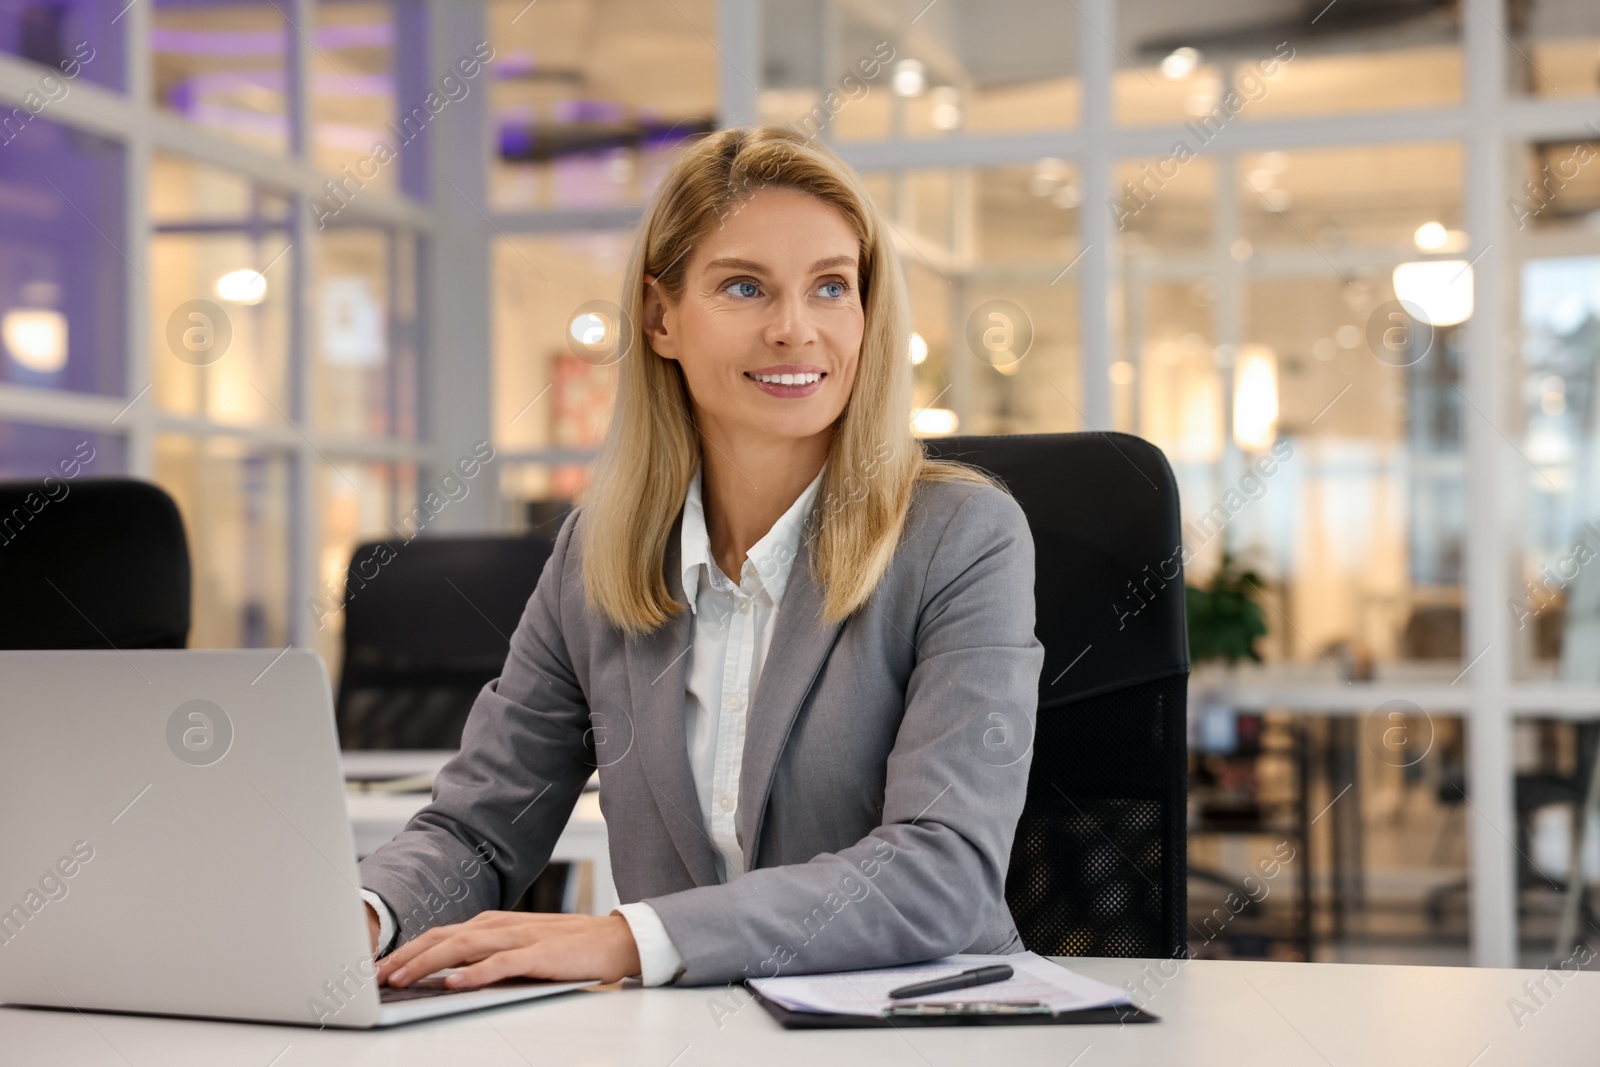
176,842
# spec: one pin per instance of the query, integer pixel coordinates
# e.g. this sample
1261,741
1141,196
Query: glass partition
235,501
1208,65
223,67
587,107
910,69
220,287
62,265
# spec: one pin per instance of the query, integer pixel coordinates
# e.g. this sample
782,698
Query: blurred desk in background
377,815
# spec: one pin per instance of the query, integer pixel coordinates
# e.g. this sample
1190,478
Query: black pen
993,972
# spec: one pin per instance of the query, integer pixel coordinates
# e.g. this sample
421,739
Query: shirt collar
772,557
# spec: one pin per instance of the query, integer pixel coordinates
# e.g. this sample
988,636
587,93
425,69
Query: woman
816,765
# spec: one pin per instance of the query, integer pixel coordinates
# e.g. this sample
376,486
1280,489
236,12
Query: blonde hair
651,450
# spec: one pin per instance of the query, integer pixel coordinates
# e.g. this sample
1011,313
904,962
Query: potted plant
1224,615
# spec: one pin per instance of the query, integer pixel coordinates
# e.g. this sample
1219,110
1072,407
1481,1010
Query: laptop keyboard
424,987
433,986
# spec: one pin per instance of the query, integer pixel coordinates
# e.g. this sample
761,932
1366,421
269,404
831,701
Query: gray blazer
885,762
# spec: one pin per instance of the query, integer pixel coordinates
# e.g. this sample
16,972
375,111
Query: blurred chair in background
92,563
425,631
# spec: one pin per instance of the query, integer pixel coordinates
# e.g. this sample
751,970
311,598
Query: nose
790,325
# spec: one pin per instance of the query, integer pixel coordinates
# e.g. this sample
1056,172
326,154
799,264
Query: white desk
377,817
1214,1014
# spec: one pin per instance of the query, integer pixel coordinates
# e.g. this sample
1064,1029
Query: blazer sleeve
932,875
500,804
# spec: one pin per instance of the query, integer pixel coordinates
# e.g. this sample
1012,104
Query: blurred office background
1340,261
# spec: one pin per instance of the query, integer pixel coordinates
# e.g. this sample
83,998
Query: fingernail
397,976
454,979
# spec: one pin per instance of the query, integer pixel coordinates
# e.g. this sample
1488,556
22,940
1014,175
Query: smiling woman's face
768,329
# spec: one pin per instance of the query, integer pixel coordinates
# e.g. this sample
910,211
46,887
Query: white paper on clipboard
867,992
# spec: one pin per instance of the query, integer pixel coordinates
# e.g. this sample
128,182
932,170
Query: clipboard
816,1020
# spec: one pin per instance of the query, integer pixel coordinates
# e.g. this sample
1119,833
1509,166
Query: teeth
788,379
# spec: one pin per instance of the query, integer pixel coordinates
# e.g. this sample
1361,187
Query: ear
656,325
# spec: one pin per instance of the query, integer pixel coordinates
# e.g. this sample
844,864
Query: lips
791,391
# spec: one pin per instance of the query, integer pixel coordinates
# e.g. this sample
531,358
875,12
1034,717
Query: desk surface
1215,1014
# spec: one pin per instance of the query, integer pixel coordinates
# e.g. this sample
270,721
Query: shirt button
725,802
734,700
744,607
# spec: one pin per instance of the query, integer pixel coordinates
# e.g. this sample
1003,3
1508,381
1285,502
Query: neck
745,492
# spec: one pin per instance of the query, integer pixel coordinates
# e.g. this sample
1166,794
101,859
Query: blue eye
841,286
752,285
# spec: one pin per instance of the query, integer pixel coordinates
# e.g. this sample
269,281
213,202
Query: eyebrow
751,265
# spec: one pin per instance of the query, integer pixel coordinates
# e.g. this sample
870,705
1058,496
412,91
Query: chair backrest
1098,867
92,563
427,624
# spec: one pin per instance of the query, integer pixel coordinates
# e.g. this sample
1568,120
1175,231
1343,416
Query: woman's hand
500,944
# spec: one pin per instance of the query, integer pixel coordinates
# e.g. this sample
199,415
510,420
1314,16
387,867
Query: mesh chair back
1098,867
427,624
92,563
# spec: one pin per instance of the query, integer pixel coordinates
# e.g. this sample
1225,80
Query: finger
409,960
466,946
529,962
400,956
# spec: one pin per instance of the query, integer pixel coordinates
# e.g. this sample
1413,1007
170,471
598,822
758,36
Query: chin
794,428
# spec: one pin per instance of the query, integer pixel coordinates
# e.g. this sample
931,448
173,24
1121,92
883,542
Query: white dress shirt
732,628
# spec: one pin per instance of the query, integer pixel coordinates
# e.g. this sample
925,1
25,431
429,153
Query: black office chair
1098,866
427,624
92,563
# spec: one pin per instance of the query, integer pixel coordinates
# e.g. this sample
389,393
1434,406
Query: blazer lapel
800,644
658,679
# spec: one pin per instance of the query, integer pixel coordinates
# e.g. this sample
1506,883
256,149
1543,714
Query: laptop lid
176,838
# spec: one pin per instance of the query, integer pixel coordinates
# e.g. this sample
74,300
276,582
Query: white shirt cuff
659,962
386,929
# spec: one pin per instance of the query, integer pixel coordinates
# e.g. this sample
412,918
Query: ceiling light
1181,63
588,329
36,338
909,78
1431,236
919,348
1262,178
1057,170
242,286
1440,289
1255,398
1069,195
934,422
